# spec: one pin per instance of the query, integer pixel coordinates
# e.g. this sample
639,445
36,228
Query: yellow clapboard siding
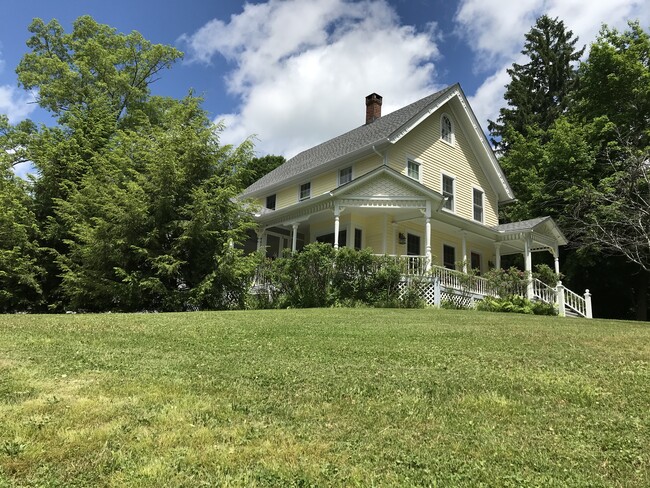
424,145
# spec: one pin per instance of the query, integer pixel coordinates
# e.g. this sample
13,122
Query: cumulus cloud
15,104
302,68
496,35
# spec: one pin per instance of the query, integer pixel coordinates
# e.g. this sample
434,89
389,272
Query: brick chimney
373,107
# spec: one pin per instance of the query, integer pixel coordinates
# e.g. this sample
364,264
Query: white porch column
385,244
556,259
260,237
337,213
394,238
528,265
497,252
464,252
427,236
294,237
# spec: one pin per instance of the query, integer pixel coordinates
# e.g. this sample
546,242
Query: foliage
135,196
539,91
258,167
515,304
546,275
507,282
19,250
319,276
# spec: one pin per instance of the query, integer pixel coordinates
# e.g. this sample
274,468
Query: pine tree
539,90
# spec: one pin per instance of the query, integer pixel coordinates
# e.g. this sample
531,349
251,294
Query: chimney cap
373,98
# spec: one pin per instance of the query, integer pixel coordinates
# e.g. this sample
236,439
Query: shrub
515,304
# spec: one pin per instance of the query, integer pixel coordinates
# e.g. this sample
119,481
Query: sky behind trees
296,72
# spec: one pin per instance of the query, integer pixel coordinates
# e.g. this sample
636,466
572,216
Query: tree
539,90
135,195
19,270
258,167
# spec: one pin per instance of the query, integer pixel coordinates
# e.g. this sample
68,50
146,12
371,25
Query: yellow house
420,183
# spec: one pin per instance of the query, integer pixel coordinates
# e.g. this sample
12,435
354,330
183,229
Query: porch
438,284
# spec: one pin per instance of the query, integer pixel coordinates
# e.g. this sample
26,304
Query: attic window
305,191
446,130
270,202
345,175
413,169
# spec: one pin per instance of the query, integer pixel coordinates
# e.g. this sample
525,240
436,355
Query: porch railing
544,292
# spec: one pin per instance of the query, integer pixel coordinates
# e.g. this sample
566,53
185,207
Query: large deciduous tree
135,195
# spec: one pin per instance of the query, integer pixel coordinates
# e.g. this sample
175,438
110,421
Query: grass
336,397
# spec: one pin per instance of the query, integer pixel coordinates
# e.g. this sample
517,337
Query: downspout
382,156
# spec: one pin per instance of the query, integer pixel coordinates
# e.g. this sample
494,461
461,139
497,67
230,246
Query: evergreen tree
539,90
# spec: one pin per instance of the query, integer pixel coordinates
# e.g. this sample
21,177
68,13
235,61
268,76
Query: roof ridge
344,144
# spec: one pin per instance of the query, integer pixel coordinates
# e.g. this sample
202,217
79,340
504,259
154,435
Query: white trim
452,132
455,192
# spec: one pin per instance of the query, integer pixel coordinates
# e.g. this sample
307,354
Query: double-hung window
448,192
413,169
478,205
345,175
305,191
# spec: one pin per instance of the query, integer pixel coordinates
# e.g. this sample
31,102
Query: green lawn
335,397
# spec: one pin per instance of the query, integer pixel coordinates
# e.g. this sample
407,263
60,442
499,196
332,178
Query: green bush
515,304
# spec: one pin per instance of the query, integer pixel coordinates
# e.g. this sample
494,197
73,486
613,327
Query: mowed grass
335,397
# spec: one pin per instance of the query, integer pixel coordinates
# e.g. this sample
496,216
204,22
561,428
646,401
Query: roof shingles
357,139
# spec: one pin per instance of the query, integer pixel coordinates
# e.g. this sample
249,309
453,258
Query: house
420,183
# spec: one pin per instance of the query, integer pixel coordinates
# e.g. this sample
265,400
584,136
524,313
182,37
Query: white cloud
497,35
15,104
303,68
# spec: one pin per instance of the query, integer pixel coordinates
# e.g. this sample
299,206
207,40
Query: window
475,261
448,192
449,256
446,132
478,205
305,191
357,239
345,175
270,202
413,169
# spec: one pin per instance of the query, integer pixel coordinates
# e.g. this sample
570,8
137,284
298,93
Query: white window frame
419,165
476,188
444,174
452,138
339,175
300,197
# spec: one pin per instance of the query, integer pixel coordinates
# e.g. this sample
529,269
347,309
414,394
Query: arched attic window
446,130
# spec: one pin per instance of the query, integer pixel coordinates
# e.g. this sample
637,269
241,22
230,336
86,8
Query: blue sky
295,72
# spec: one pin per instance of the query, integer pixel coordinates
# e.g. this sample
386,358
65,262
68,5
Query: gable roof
538,224
365,139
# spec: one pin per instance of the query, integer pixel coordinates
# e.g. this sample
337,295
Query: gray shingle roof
521,225
362,137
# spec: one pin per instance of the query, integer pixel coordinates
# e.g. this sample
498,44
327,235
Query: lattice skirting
426,289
